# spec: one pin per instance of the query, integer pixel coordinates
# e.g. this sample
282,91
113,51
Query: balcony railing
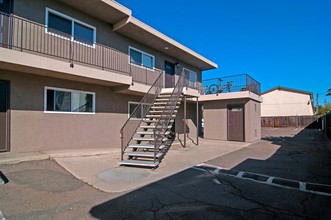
27,36
236,83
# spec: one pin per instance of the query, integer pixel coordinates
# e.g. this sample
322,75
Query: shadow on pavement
3,178
301,155
194,194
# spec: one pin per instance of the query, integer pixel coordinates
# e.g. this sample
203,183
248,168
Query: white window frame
191,71
142,52
71,91
73,21
137,103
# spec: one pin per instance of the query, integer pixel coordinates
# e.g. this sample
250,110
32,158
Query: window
139,113
63,25
64,100
141,58
191,78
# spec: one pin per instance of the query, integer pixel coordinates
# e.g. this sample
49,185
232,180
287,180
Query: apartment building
73,72
80,74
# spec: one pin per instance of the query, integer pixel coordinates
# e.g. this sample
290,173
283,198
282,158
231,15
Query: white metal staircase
141,151
144,143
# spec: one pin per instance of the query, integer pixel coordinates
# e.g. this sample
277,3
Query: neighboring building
282,101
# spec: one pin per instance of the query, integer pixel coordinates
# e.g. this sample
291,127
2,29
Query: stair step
164,103
152,126
158,116
147,139
160,111
145,146
141,163
162,99
155,120
150,132
142,154
166,95
163,107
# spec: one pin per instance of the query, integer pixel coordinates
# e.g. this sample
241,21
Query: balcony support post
197,123
184,121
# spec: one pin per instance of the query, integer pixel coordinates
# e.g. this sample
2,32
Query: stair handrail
162,123
130,126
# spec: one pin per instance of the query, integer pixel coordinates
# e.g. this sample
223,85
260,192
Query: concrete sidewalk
12,158
99,167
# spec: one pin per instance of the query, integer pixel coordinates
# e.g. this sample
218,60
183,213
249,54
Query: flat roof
141,32
124,23
105,10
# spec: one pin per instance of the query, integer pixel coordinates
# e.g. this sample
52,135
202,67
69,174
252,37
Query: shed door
236,123
4,106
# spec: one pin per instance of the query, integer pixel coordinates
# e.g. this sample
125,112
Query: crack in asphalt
268,208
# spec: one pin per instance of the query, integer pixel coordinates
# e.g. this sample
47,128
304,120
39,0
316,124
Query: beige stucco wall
31,129
285,103
191,120
252,121
215,119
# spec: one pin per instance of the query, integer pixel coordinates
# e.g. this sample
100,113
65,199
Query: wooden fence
325,124
287,121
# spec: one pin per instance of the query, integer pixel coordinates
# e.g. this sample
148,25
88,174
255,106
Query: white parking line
269,181
240,174
302,186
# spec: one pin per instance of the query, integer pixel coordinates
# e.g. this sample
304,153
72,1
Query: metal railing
132,124
163,122
235,83
20,34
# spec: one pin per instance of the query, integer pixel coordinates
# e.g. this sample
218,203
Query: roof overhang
106,10
289,90
141,32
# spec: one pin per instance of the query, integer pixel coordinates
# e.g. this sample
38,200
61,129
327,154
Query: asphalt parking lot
287,175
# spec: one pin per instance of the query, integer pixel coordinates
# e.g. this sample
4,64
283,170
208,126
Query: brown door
236,123
170,74
4,106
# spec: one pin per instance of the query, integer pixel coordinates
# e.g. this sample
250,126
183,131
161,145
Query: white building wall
286,103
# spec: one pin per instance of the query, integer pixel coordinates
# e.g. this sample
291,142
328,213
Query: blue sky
277,42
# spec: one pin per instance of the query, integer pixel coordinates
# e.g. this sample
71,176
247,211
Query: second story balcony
231,84
22,35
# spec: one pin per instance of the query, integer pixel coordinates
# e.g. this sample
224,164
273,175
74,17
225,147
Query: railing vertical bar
21,35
